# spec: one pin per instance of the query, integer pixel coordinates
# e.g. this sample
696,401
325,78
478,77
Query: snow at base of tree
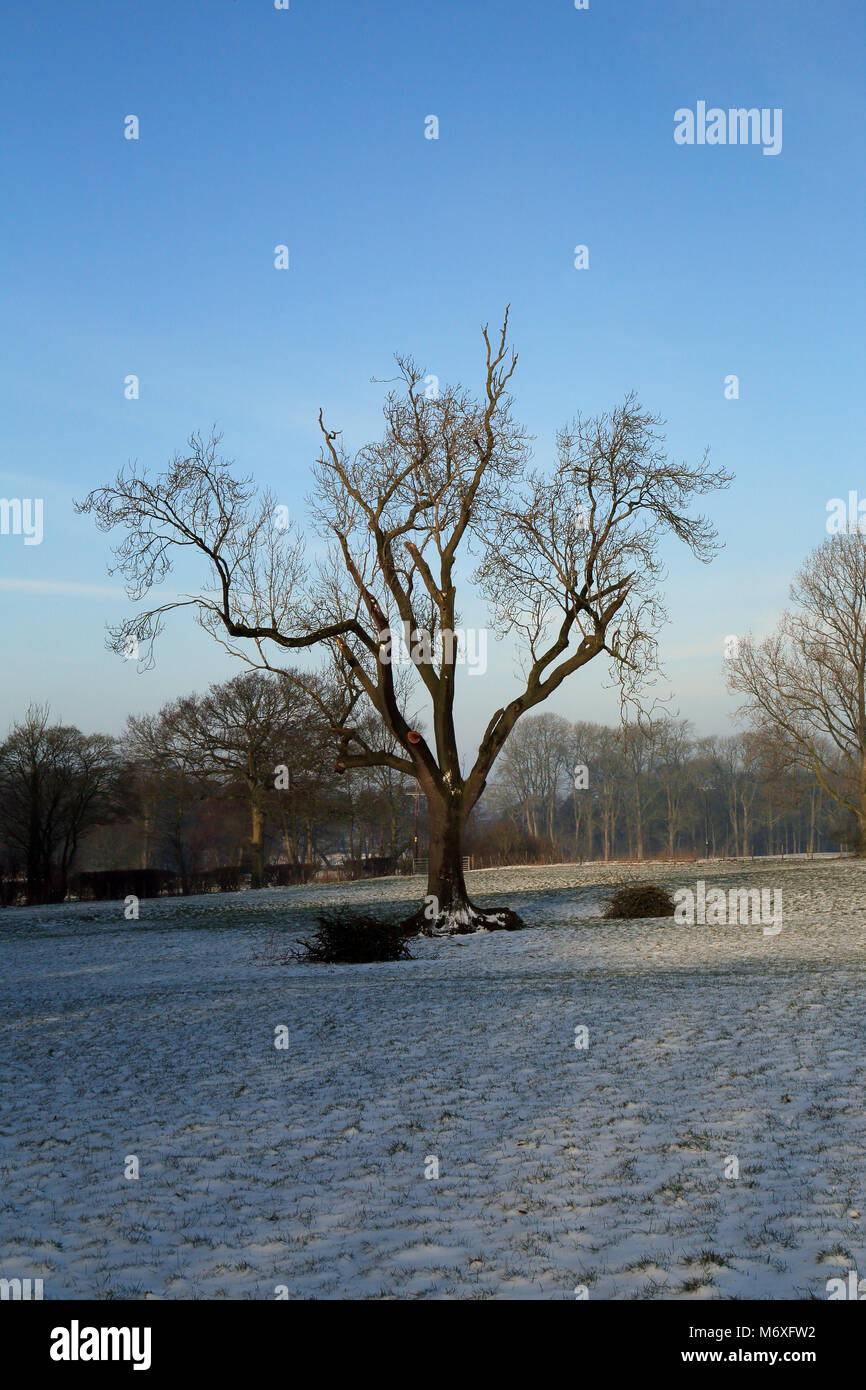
465,919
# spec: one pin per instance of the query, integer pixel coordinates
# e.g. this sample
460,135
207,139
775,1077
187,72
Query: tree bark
257,845
638,810
448,909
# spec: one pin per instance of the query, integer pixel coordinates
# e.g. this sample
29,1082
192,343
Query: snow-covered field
559,1166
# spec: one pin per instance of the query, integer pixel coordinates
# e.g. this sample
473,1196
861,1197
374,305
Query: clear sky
306,127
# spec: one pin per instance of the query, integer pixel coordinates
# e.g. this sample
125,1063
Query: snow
559,1166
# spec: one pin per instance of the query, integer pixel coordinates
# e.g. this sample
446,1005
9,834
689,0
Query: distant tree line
217,790
238,786
652,789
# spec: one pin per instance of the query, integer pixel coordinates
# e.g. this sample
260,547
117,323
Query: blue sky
306,127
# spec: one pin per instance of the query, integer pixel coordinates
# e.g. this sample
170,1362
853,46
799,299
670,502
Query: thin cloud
61,588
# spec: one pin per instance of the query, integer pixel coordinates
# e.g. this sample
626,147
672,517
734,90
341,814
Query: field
302,1168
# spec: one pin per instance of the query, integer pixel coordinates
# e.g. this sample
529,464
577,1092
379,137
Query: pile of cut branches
348,937
639,900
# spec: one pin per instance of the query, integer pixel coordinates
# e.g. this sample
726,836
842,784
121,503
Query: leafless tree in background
673,741
55,783
805,684
533,764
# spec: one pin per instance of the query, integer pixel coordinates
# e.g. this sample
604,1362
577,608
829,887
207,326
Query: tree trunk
257,845
577,819
448,910
179,850
445,881
288,841
638,809
34,837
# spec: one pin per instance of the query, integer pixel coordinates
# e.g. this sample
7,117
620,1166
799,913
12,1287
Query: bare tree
673,740
805,684
609,779
168,781
531,768
584,742
55,783
638,750
568,562
240,733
